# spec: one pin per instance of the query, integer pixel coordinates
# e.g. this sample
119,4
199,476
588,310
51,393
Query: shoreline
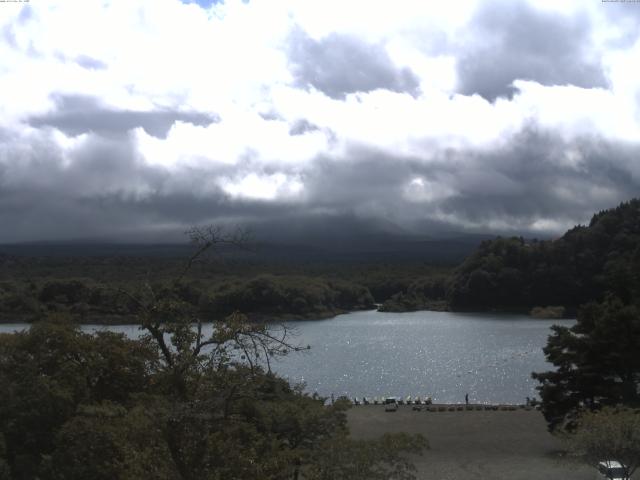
130,319
458,407
106,319
568,314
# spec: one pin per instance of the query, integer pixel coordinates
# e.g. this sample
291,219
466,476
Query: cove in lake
441,354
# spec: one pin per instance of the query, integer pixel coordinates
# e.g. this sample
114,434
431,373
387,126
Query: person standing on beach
466,398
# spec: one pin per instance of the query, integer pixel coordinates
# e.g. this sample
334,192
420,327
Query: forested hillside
88,284
583,265
260,297
177,403
512,274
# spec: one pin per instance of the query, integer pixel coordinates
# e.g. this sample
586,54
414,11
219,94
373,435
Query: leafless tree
177,329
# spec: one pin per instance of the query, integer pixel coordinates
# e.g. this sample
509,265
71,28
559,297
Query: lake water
440,354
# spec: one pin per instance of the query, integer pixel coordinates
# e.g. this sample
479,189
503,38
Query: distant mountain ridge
354,249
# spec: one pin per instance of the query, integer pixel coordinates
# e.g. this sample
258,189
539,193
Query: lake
441,354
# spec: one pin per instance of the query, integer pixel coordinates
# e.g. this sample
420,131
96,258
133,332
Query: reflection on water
440,354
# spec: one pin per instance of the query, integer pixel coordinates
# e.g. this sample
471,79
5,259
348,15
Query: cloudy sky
138,118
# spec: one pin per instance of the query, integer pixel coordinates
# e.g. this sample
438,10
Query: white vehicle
390,404
612,470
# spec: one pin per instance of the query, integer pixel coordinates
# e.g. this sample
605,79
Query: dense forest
90,287
80,406
585,264
262,296
176,403
547,278
596,269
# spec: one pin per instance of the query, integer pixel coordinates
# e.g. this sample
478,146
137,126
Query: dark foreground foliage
103,406
185,401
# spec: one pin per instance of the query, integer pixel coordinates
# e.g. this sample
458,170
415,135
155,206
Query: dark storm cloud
100,185
530,179
508,189
75,114
103,189
340,64
370,179
513,40
42,198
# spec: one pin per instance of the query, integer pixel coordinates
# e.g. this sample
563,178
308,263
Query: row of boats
408,400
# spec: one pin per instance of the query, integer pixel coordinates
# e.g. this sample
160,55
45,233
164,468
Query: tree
609,434
5,471
229,416
175,404
585,264
48,372
596,360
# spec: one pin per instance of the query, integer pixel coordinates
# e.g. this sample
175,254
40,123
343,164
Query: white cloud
574,110
233,61
264,187
423,190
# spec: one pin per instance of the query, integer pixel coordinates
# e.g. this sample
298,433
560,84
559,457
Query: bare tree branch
213,236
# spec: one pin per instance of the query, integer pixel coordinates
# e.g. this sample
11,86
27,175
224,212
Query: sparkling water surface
441,354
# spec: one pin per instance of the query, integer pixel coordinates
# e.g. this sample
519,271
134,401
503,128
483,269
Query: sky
138,119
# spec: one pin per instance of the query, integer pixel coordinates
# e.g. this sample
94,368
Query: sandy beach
481,445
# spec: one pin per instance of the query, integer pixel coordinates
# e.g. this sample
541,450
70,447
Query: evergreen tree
596,360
